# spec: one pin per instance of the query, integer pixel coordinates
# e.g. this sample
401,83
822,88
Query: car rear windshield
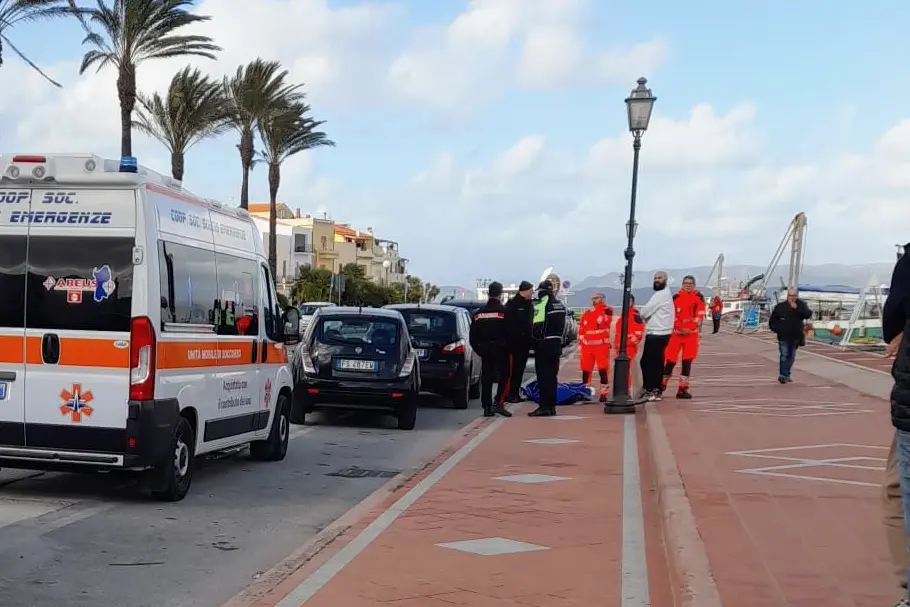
74,283
358,330
429,322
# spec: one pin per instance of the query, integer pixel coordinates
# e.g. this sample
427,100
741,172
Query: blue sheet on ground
566,393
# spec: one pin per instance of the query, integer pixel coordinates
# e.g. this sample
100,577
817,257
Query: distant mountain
826,274
582,298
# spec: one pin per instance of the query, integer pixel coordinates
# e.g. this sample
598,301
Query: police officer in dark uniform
519,314
489,339
549,323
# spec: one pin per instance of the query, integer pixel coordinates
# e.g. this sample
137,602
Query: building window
300,244
325,243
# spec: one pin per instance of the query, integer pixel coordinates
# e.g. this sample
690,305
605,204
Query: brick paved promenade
753,494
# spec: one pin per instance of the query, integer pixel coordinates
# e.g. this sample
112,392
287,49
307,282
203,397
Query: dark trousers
496,368
547,368
716,322
787,349
652,361
519,363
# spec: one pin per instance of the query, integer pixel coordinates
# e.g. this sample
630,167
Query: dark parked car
471,305
448,364
357,358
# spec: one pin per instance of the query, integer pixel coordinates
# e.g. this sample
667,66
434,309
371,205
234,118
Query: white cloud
706,184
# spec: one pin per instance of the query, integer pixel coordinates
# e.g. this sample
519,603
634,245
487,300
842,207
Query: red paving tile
773,540
579,520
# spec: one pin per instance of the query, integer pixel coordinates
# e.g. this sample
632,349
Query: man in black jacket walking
547,328
489,339
786,321
896,482
519,314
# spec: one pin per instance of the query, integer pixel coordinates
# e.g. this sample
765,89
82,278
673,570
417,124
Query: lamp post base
621,404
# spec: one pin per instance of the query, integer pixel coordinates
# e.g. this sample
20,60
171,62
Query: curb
325,543
687,558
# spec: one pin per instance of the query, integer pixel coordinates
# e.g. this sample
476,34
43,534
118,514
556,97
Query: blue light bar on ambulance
128,164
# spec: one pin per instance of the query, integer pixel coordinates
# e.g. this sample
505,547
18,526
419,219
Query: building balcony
303,248
327,252
365,253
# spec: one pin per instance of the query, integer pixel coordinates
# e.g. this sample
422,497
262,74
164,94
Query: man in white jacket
658,316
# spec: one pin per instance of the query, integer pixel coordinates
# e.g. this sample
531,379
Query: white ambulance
139,324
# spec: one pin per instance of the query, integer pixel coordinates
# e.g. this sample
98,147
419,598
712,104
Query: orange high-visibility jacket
716,305
636,330
690,308
594,328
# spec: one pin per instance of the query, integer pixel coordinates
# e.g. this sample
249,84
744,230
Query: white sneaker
902,603
652,396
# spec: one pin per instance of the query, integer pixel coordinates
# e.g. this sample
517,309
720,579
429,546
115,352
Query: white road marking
322,576
635,592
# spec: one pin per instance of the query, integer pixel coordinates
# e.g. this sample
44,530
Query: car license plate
356,365
422,353
3,390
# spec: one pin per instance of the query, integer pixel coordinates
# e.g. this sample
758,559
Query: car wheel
461,395
474,390
275,447
300,408
177,471
407,414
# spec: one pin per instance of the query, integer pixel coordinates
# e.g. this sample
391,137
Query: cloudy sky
488,136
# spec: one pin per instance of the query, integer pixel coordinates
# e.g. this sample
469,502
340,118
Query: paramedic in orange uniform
717,306
690,307
636,334
594,339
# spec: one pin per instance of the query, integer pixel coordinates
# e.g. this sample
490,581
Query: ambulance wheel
176,473
275,447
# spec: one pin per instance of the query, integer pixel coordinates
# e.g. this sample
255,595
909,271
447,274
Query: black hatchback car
357,358
448,364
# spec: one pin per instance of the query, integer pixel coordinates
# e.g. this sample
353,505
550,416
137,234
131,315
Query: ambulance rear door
79,299
13,246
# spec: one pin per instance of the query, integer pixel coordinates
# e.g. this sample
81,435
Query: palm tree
13,12
193,109
257,91
283,135
135,31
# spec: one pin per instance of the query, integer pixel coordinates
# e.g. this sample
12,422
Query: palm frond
289,132
193,109
28,61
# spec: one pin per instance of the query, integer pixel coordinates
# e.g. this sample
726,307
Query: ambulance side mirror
291,319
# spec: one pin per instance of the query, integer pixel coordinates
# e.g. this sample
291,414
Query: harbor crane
717,273
795,237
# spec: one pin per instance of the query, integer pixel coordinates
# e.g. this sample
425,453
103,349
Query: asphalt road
94,540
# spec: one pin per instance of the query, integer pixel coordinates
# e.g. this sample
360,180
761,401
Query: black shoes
514,399
683,393
488,411
542,412
500,410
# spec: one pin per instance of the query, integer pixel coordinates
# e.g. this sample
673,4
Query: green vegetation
313,284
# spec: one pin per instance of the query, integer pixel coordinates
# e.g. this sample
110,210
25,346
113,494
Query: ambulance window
80,283
269,306
12,281
238,296
188,285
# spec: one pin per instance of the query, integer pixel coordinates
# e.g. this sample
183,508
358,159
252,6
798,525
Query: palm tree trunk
274,180
126,91
177,165
246,161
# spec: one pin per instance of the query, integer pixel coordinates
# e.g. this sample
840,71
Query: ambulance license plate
421,354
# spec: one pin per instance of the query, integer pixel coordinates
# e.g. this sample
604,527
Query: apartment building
321,243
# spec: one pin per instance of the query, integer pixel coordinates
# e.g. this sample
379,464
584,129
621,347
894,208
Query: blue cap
128,164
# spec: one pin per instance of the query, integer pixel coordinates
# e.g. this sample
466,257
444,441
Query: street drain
364,473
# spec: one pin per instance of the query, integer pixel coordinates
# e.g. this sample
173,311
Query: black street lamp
639,105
